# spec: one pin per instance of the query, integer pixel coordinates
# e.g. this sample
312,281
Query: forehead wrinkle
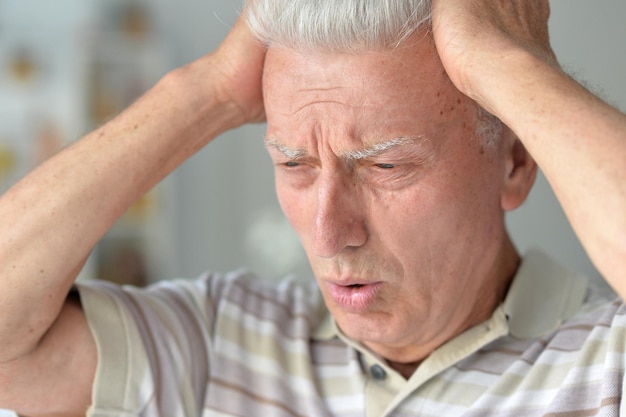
313,103
284,149
379,148
312,96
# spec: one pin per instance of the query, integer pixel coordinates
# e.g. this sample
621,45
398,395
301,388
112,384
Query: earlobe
520,174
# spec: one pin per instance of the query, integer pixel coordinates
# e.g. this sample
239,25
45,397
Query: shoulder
174,334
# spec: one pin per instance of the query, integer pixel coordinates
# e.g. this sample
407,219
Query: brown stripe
194,332
583,327
281,308
330,353
286,308
503,351
242,391
609,401
147,335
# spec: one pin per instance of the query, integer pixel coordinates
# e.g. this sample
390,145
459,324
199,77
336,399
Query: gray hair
350,26
337,25
488,127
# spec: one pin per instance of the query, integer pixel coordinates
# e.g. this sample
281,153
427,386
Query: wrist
506,79
193,92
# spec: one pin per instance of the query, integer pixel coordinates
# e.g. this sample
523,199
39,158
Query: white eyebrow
285,150
379,148
374,150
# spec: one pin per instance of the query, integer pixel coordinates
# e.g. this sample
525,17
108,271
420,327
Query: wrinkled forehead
409,79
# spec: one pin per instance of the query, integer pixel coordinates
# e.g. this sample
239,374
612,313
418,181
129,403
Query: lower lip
355,299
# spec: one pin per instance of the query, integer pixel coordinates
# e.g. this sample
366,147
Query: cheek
294,207
442,216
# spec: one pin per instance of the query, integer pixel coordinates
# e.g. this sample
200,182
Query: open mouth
355,298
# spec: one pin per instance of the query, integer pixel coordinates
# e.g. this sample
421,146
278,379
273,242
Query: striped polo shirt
231,345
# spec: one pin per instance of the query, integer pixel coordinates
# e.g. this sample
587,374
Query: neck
494,291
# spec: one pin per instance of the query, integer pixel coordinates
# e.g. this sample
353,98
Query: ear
520,172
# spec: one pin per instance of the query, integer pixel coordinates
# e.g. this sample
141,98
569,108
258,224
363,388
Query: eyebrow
380,147
374,150
285,150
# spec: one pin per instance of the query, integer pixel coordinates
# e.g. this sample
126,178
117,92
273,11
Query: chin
368,328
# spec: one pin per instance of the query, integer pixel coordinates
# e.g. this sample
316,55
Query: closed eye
385,166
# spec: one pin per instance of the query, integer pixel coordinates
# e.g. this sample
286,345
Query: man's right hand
239,60
234,72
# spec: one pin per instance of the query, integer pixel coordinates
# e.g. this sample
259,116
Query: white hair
349,26
488,127
337,25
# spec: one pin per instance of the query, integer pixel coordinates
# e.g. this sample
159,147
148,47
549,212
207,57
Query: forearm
580,144
52,219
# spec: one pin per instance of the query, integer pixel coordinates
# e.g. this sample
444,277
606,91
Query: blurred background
67,66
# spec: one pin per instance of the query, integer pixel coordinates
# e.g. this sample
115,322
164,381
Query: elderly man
396,181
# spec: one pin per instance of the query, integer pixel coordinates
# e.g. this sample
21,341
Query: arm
498,54
52,219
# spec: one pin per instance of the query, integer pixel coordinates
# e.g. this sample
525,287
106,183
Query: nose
340,220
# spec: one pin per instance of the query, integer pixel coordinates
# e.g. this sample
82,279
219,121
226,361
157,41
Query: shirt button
378,372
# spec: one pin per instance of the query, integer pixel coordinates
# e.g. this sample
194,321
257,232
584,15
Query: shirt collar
542,296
